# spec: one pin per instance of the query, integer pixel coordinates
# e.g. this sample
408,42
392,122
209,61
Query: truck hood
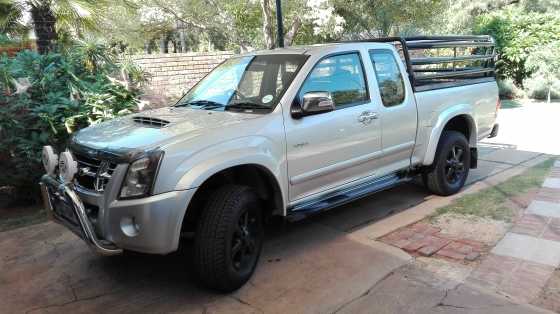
154,128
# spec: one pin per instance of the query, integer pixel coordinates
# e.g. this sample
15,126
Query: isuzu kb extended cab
285,132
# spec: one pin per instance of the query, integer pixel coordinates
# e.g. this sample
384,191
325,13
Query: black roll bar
478,43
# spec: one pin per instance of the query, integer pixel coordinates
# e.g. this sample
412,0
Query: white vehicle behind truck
286,132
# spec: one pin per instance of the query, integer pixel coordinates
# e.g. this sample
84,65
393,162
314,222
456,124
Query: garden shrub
508,90
537,88
44,98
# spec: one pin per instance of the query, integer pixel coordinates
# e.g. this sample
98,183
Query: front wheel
451,165
229,238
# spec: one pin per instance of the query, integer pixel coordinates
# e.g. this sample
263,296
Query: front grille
93,174
149,121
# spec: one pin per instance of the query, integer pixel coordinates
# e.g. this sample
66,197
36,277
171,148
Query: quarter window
389,78
342,76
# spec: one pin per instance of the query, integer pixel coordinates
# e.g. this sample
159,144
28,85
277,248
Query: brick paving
538,226
427,240
518,269
550,297
548,195
515,277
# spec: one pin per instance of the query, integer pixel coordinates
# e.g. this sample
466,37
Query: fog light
50,160
67,167
129,226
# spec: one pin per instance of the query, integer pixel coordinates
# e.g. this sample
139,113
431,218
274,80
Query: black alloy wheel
245,241
229,238
449,172
455,164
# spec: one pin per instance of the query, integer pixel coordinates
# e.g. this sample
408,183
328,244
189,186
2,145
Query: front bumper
147,225
71,213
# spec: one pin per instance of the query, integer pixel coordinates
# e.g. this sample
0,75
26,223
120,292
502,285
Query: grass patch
492,202
26,219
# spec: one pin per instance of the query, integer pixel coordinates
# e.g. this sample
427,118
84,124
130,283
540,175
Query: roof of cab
307,49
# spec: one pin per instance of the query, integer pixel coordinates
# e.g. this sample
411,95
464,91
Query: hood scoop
151,122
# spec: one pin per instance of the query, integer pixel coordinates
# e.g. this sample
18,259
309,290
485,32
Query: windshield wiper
202,104
247,105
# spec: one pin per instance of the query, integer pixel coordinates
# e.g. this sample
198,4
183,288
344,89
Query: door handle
367,116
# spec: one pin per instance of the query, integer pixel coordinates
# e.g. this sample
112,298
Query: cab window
341,75
389,77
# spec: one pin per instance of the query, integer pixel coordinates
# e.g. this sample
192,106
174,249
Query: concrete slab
373,208
509,156
415,290
315,269
529,248
485,169
466,299
519,279
304,268
553,183
544,208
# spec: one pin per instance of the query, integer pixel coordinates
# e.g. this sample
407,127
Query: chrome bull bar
84,229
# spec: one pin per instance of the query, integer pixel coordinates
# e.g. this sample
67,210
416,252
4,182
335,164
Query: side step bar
341,197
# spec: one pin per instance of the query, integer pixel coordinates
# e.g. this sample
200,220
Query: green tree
51,17
518,34
10,19
239,25
374,18
545,63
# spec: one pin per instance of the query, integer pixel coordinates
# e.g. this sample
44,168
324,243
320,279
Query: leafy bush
545,64
518,34
509,90
44,98
538,88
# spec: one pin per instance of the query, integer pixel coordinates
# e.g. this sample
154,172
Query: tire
229,238
450,169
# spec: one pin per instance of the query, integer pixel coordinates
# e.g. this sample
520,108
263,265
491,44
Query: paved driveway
323,264
531,127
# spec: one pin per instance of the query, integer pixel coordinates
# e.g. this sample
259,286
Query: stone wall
173,74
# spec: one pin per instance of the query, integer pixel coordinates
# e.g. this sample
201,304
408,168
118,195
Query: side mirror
313,103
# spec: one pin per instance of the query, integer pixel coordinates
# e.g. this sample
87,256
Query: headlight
140,176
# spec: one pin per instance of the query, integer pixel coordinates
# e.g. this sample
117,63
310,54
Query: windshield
248,84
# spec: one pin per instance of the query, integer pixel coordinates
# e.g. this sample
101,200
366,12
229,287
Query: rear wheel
451,165
229,238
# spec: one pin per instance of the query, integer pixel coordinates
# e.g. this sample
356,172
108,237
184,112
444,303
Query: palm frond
11,14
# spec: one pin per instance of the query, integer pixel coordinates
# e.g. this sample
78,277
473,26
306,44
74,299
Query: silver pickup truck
287,132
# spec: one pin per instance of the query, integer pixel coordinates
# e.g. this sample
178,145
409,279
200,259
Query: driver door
331,149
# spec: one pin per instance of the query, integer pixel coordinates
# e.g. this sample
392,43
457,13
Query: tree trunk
291,34
146,46
183,40
44,23
267,24
548,96
182,36
162,44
